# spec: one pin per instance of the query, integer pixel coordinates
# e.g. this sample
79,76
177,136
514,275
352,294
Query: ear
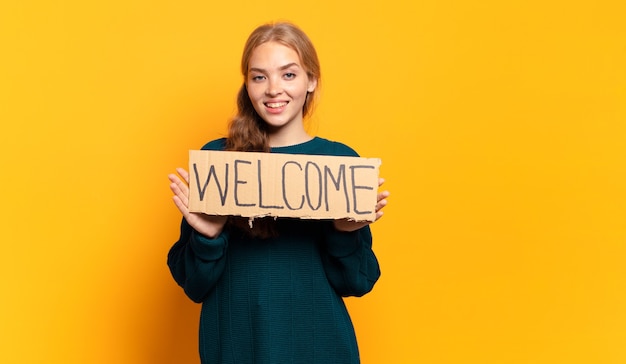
312,85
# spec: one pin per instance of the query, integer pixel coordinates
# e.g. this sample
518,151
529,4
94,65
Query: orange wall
501,126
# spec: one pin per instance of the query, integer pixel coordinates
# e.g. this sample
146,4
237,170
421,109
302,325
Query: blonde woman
272,293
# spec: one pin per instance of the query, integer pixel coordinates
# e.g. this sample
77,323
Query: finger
184,187
381,181
181,194
381,204
183,173
181,207
173,178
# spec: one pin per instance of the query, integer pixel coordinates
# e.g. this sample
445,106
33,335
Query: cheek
298,91
252,92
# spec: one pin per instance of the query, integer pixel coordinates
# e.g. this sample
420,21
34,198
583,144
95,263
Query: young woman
272,293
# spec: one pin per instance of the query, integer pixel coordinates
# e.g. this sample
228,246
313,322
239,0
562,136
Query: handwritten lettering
287,185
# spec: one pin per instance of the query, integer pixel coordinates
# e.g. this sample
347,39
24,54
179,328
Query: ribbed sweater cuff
208,249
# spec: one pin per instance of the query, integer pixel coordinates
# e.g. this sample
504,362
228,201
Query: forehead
273,55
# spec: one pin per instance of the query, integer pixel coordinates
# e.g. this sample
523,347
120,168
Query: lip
273,109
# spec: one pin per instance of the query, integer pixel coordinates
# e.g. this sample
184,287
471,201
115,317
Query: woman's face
278,85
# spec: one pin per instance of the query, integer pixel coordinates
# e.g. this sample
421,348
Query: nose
274,88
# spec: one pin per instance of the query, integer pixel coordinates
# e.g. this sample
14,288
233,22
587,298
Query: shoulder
217,144
331,147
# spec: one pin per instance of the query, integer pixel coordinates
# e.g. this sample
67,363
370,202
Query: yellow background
501,126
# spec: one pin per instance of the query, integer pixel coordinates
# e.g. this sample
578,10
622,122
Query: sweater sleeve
196,262
350,263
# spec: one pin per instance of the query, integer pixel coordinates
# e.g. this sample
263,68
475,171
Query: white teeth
275,105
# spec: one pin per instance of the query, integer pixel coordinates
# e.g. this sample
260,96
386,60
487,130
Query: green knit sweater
277,300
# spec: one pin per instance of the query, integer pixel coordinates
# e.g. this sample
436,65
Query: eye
290,75
257,78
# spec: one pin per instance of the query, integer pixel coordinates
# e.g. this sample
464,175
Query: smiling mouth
275,105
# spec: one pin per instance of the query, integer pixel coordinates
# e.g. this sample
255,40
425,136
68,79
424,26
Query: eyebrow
281,68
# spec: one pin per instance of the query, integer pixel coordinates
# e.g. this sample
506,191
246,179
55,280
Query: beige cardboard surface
285,185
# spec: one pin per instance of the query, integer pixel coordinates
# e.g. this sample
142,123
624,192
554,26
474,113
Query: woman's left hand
349,225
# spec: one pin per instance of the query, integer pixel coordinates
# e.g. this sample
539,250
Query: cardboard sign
287,185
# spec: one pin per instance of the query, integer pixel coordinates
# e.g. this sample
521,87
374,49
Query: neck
284,138
285,142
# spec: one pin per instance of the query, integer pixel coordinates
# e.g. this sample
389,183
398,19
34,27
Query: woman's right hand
208,225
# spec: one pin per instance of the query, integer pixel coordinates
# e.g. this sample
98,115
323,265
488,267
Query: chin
274,122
